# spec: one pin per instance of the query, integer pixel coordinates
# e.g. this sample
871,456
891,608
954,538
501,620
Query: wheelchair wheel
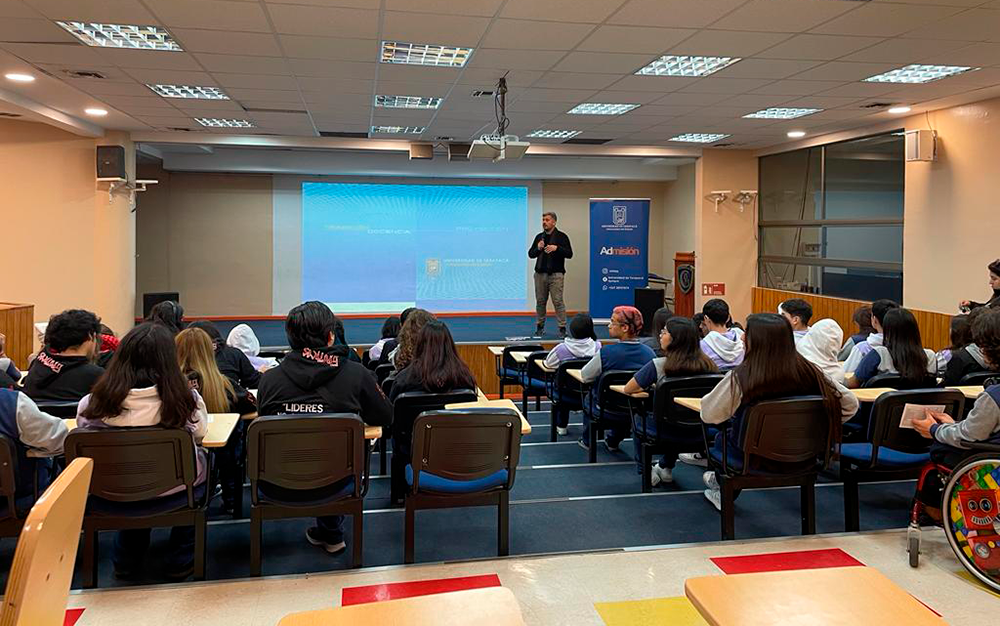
972,517
913,544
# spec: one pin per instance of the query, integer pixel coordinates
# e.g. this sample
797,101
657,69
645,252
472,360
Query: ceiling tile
106,88
593,11
206,107
253,44
152,100
755,101
215,14
796,87
784,16
256,81
151,59
177,121
108,11
489,76
171,77
401,117
325,69
325,21
681,98
859,90
559,95
976,55
576,80
904,51
844,71
610,38
669,110
659,84
238,63
884,19
673,13
640,97
712,84
416,73
412,88
331,103
149,111
765,68
532,106
448,30
77,55
823,101
818,47
354,4
604,62
484,8
514,59
271,95
728,43
14,30
975,25
525,34
306,47
335,85
17,8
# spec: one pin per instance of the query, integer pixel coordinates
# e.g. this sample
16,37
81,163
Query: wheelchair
970,513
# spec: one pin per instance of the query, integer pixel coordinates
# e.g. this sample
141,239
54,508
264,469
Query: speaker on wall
149,300
110,162
647,301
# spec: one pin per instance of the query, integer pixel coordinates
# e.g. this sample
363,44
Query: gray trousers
546,284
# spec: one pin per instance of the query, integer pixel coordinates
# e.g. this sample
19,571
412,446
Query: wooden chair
42,571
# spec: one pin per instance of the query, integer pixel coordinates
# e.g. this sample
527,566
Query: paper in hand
917,412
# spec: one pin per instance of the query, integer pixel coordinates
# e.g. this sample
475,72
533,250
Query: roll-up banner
619,252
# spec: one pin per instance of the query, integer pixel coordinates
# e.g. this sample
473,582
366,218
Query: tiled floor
551,590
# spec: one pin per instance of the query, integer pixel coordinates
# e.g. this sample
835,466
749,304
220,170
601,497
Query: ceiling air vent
725,145
342,135
179,129
876,105
3,114
84,74
482,93
250,110
586,141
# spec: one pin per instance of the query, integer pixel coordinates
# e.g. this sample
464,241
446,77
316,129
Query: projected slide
381,248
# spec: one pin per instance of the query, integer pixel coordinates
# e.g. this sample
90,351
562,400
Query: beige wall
60,227
678,213
725,242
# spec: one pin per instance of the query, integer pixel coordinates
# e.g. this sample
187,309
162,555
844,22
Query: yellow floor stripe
674,611
969,578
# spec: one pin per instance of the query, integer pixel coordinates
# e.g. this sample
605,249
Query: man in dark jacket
550,249
64,370
318,377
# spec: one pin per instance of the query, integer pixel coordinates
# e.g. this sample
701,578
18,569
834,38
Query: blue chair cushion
507,372
431,482
534,385
339,490
861,454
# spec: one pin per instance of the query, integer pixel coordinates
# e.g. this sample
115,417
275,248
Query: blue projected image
380,248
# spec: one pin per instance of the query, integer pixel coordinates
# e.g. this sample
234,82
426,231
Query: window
831,219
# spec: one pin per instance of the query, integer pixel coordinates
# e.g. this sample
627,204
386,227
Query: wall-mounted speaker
110,162
921,145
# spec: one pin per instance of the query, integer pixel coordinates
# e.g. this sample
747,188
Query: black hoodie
56,378
323,381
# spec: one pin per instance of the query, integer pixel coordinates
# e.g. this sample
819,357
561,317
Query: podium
16,322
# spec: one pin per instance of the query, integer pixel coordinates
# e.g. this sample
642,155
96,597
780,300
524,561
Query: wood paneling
935,328
483,365
16,322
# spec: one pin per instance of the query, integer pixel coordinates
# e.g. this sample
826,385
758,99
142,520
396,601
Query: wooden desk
621,389
496,351
545,368
220,426
971,391
493,404
832,597
691,403
578,375
520,357
870,394
495,606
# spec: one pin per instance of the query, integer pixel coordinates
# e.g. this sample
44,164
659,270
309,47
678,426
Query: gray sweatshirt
982,424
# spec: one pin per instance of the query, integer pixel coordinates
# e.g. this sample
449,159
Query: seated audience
820,346
27,427
902,353
627,354
798,312
7,367
64,370
233,364
168,313
243,339
699,321
317,377
408,335
659,321
581,343
861,349
385,345
682,356
969,359
341,339
109,343
144,386
863,318
722,344
772,369
960,336
994,283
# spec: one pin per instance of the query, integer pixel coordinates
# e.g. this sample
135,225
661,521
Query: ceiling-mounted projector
498,147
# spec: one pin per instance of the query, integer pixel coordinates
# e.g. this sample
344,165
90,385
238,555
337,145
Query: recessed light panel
19,78
918,74
899,110
424,54
407,102
122,36
699,137
671,65
189,91
781,113
553,134
597,108
398,130
221,122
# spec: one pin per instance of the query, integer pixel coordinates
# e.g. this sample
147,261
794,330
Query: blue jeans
331,528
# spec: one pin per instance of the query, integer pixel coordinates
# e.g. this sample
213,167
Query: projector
498,147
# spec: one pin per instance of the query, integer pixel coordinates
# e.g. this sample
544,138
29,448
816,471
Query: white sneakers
710,480
562,431
712,494
693,458
661,475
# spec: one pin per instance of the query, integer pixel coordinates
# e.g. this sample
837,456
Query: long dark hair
863,318
437,364
390,327
773,368
961,332
660,320
684,356
902,340
168,313
146,356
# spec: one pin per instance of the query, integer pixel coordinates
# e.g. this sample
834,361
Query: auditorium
512,312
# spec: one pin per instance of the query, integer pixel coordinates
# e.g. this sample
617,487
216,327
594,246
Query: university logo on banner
619,235
619,216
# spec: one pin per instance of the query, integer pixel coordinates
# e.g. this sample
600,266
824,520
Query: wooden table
971,391
691,403
545,368
506,403
832,597
520,357
578,375
495,606
621,389
220,426
870,394
496,351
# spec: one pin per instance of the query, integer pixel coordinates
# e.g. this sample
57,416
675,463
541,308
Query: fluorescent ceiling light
221,122
899,110
699,137
781,113
189,91
96,112
671,65
553,134
122,36
424,54
20,78
407,102
597,108
918,74
398,130
795,134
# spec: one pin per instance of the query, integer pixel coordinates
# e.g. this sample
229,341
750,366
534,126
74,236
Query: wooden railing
16,322
935,328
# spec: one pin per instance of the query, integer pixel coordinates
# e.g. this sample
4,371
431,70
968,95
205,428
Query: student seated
64,370
863,318
951,439
772,369
722,344
699,321
7,367
861,350
902,353
798,312
627,354
108,344
820,346
960,336
29,428
341,339
318,377
233,364
659,321
581,343
243,339
967,360
144,386
408,335
169,314
682,356
994,283
385,345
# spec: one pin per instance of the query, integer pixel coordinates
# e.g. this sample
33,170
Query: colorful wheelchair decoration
972,516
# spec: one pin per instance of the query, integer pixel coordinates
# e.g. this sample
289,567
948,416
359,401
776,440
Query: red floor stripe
394,591
779,561
72,615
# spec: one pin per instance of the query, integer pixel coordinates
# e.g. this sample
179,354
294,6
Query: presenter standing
550,249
